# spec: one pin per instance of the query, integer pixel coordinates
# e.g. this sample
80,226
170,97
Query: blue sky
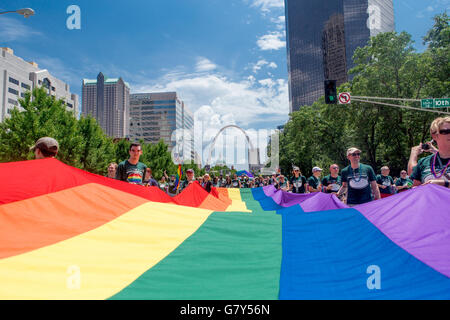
225,58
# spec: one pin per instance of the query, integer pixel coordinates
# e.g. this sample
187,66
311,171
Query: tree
387,67
43,115
158,158
438,57
97,150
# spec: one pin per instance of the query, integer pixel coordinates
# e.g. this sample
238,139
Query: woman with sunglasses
358,180
434,168
298,182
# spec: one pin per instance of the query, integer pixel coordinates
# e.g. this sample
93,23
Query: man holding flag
190,178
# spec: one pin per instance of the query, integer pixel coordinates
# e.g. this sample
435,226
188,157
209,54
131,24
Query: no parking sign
344,98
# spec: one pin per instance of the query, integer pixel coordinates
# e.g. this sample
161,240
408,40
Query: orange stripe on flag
41,221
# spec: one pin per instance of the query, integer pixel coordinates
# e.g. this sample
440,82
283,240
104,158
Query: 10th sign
344,98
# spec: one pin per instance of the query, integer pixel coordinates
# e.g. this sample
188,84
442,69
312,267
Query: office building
19,76
156,116
322,36
108,101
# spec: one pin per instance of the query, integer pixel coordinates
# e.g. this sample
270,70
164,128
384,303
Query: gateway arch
253,153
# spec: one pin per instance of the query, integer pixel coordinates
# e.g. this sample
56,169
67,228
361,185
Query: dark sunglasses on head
444,131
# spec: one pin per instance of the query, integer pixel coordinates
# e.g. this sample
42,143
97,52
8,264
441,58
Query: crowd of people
355,184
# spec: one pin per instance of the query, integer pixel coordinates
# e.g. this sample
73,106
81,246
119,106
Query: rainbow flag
69,234
178,178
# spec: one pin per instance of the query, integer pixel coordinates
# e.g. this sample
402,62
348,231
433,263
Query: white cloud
267,82
15,30
257,66
261,63
204,65
271,41
242,102
279,20
218,101
266,5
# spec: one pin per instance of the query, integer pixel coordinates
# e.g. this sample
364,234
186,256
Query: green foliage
388,66
83,144
97,150
43,116
158,158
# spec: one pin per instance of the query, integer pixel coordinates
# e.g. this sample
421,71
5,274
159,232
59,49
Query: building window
25,86
10,90
12,101
12,80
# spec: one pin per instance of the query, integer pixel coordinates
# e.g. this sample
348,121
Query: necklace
433,166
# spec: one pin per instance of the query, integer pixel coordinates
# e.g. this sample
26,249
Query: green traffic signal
330,92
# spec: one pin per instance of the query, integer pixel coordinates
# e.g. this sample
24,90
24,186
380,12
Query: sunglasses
356,154
335,168
444,131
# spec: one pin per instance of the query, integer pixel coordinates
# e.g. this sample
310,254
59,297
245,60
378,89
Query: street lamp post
26,12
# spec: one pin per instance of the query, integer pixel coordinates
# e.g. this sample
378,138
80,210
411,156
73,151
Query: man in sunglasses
358,180
434,168
332,182
403,183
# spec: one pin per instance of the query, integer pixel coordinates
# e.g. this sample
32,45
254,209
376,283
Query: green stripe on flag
233,255
251,203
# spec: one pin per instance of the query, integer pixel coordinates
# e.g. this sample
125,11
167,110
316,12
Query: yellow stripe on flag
101,262
237,204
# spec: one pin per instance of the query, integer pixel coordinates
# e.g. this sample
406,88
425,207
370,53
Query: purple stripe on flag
418,221
309,202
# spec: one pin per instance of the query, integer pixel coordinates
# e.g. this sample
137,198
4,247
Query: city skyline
222,58
322,38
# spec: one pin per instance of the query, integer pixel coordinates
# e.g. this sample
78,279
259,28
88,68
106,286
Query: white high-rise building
19,76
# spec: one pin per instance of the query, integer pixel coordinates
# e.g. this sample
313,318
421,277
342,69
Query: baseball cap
47,144
351,150
316,169
296,168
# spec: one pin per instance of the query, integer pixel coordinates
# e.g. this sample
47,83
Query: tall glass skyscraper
156,116
322,36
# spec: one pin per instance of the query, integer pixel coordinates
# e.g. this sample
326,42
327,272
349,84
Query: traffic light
330,92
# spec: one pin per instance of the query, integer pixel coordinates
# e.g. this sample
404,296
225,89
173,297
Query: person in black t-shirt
297,182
